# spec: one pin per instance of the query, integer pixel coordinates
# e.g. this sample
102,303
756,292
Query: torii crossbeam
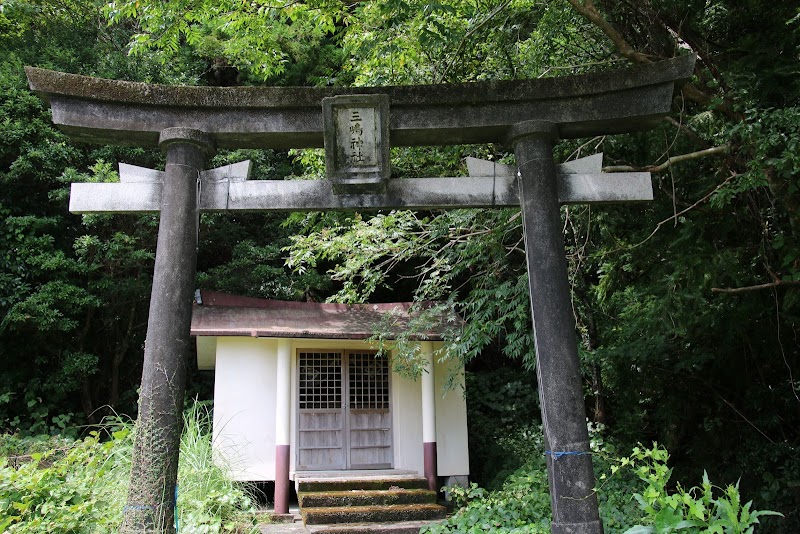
190,122
489,185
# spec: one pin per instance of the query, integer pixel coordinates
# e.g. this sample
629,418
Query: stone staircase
388,504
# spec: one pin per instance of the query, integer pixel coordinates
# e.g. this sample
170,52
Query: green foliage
256,270
521,506
665,355
17,449
400,331
75,488
470,257
58,485
260,37
502,404
59,286
771,140
634,493
208,500
53,287
698,509
422,41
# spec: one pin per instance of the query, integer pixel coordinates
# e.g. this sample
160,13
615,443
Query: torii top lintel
118,112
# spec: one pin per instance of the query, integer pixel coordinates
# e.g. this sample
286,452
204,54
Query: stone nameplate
356,130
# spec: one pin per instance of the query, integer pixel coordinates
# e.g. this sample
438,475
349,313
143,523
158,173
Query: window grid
320,381
369,381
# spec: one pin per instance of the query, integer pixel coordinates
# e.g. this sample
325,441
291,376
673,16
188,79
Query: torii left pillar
154,472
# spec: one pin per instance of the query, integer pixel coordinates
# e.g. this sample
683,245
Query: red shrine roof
220,314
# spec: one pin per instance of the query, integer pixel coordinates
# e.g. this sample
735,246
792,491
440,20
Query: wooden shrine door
344,420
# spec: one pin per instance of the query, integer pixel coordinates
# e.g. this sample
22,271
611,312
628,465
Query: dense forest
687,307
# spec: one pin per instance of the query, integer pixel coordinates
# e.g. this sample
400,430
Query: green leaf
667,520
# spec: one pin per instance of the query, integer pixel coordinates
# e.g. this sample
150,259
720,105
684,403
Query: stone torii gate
357,126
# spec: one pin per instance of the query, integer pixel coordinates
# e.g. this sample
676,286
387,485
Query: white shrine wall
245,386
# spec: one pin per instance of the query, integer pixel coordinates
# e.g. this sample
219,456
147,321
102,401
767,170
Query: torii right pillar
566,439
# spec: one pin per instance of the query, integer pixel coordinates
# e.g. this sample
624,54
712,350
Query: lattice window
320,381
369,381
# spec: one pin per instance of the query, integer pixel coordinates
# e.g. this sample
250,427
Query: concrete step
372,514
374,483
403,527
366,497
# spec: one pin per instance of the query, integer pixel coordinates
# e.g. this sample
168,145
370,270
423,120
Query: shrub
523,503
703,509
81,486
72,490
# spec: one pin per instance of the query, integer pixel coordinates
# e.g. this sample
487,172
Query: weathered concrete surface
154,469
403,527
571,479
587,165
283,528
356,131
580,181
410,193
140,189
108,111
133,174
489,185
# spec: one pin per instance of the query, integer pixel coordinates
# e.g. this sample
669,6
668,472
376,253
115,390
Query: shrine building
303,380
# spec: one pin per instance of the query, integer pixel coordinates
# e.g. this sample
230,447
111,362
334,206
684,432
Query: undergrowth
635,493
54,485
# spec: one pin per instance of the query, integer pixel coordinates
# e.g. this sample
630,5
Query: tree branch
688,131
690,91
589,11
771,285
670,161
467,35
675,216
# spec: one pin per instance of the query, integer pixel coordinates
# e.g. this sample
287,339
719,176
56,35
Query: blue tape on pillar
175,514
558,454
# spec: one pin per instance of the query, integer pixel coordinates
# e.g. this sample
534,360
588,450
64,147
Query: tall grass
208,500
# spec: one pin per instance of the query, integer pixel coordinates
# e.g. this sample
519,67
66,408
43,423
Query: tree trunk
119,355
